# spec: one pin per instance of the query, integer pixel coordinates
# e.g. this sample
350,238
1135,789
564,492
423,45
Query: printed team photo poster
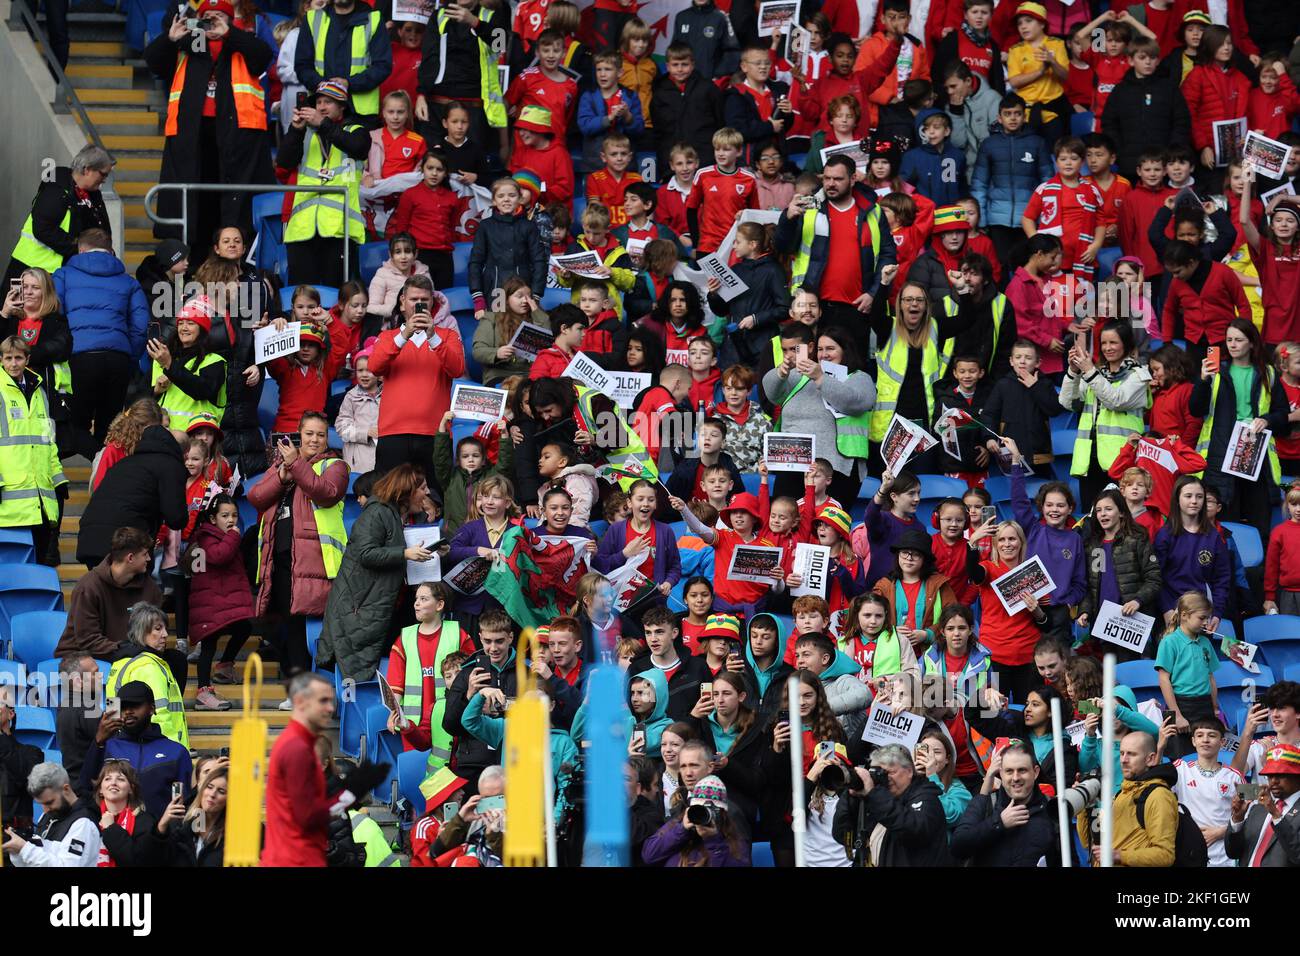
418,11
753,562
789,451
478,403
530,341
579,263
1031,576
1229,140
1246,451
423,536
775,16
901,439
1131,631
469,576
1266,156
854,151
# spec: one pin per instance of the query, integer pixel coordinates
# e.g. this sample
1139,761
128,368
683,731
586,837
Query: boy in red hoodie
569,324
702,360
1141,203
603,324
541,152
1273,104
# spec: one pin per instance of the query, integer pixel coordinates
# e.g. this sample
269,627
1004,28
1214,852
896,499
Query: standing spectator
685,110
346,38
902,802
704,834
1037,68
458,66
97,611
359,611
1215,91
220,601
108,316
1008,168
975,101
188,378
80,704
1146,809
300,536
505,245
67,830
1145,111
145,490
327,147
31,477
216,119
358,419
65,206
17,760
32,312
711,37
418,364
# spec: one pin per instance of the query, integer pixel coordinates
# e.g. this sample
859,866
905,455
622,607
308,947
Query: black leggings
441,268
1016,680
239,633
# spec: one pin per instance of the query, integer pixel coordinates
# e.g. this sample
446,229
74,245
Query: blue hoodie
1127,714
492,731
106,308
656,723
939,174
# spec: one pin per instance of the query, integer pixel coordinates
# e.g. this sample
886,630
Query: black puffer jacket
1011,723
981,838
747,763
144,846
505,246
916,831
1137,572
184,850
143,491
767,299
471,755
1143,114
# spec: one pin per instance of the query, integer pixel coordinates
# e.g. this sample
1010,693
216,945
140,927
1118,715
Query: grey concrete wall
33,133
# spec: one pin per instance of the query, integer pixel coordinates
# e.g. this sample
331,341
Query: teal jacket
655,724
492,731
777,670
1127,713
953,800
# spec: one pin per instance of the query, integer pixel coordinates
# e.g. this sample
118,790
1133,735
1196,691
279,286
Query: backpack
1189,845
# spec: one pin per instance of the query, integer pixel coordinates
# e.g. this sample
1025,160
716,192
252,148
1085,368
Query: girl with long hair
958,664
198,838
1122,567
492,349
1191,553
1010,638
130,835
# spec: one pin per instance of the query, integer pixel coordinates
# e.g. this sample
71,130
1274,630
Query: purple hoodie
1060,548
666,846
872,539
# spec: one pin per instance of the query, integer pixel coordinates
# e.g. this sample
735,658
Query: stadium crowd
1014,288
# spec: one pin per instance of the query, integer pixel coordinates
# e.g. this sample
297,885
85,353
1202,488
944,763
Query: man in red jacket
297,808
418,364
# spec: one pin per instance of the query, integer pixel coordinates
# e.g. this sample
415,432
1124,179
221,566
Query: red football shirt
718,196
842,280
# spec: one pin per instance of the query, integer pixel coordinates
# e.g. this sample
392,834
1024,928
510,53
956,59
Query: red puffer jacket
310,585
219,593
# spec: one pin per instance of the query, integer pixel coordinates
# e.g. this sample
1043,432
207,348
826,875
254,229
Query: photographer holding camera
704,836
898,820
1010,823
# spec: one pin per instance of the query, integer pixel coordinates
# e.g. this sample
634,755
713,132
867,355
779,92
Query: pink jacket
386,284
580,482
311,587
219,594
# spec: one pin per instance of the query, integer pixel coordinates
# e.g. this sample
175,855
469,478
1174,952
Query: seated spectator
80,702
163,671
1014,825
97,611
17,760
471,838
1248,826
199,837
130,835
702,835
66,834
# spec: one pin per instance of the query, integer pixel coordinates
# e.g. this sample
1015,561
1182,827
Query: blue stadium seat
459,299
373,255
941,486
382,747
752,481
468,325
761,855
45,678
1248,543
1063,442
1292,672
676,602
351,512
13,672
328,297
1278,637
28,587
869,488
34,726
579,205
460,262
313,629
998,487
269,405
1140,677
410,774
353,701
553,297
16,546
1106,260
598,528
1081,123
786,623
36,634
247,513
1230,677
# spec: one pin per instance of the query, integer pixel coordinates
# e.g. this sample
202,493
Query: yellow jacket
1152,845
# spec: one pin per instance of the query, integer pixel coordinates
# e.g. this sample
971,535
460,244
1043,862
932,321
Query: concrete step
147,172
81,48
140,237
101,75
133,214
134,143
221,720
269,699
140,123
116,97
131,258
132,188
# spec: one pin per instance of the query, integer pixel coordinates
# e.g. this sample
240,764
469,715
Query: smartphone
801,352
449,810
638,734
825,749
177,789
1248,791
1087,707
114,706
783,715
154,331
420,308
706,688
15,284
491,803
988,513
1001,744
293,438
302,99
1168,716
1212,357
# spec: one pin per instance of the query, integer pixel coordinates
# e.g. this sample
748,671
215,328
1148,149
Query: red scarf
126,820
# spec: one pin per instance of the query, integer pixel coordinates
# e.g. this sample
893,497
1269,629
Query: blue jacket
157,760
1008,169
939,174
655,724
1060,548
106,308
593,121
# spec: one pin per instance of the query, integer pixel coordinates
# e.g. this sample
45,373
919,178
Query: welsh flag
952,418
524,580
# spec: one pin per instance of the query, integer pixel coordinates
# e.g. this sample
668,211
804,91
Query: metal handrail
65,97
187,188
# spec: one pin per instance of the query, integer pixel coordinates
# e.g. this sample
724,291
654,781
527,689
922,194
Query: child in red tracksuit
1069,207
1282,562
304,377
431,212
1274,103
949,547
604,328
787,523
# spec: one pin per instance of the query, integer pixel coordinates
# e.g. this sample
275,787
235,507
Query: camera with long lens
879,776
703,815
1082,795
836,778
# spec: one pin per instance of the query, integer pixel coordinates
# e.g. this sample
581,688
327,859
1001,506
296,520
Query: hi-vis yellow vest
1113,429
250,98
183,408
851,431
29,459
330,531
366,832
494,104
168,701
413,687
35,254
363,104
322,214
799,270
1207,427
891,368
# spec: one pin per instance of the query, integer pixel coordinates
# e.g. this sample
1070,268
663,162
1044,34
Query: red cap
743,502
199,311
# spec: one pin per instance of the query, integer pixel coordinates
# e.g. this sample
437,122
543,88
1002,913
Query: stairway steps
218,721
133,215
109,48
101,75
115,97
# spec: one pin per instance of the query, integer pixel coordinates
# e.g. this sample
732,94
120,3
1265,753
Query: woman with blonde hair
199,837
491,513
32,312
905,386
1010,638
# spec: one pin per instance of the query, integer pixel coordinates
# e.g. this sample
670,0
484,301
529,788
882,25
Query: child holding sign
742,514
